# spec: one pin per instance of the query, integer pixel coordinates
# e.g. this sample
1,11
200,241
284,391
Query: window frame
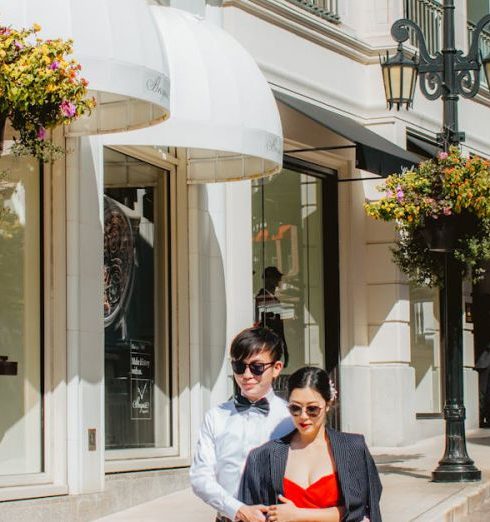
178,454
53,479
331,267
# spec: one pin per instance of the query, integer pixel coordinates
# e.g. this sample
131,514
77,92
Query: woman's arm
288,512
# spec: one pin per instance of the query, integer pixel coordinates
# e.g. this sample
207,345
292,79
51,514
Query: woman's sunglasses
256,368
312,411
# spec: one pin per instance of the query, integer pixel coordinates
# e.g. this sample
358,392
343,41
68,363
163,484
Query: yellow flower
36,28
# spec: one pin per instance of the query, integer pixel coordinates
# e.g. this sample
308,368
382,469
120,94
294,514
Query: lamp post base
455,465
456,473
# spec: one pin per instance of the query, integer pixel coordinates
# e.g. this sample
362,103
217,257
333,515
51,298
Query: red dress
321,494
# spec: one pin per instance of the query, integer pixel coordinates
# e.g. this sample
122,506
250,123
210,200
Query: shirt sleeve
203,473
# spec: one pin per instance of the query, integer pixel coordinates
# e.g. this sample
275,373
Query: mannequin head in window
255,359
272,278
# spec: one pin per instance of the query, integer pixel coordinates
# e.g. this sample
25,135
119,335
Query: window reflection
137,355
424,348
288,265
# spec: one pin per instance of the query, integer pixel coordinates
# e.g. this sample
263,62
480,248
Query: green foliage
450,184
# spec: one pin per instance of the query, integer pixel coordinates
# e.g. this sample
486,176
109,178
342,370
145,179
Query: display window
139,416
21,347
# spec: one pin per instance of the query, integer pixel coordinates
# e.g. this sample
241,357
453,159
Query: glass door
291,252
136,291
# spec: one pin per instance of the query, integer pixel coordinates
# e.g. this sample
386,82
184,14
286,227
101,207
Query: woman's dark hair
252,341
311,377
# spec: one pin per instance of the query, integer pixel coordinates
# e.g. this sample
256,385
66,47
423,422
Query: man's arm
203,473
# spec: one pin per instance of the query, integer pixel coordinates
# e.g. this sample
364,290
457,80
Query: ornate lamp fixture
399,77
448,74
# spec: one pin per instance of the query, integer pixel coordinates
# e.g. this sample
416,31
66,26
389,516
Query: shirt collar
270,395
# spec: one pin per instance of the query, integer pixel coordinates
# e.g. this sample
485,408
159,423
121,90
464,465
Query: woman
314,474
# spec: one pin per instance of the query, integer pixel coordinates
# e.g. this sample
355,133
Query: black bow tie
243,404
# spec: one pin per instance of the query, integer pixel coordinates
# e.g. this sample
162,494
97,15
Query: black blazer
358,477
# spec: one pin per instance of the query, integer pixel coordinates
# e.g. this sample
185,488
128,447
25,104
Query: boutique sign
141,383
158,85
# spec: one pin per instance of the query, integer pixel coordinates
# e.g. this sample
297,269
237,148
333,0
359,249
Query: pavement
408,493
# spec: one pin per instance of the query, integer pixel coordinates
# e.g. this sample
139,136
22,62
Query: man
230,430
482,366
268,306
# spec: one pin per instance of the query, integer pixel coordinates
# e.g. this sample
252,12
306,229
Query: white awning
222,108
117,44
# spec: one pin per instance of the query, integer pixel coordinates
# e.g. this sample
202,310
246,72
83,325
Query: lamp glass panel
386,82
396,82
407,85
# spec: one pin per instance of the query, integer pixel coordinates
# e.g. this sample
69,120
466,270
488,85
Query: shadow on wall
209,292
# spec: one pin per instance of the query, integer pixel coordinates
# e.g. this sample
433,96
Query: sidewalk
405,472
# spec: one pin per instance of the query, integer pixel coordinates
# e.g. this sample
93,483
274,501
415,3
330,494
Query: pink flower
446,211
18,45
55,65
389,193
442,155
68,109
41,133
399,194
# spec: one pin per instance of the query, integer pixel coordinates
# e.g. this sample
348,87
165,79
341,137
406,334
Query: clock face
118,259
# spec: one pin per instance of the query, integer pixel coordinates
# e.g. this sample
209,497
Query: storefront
303,264
120,327
50,424
328,83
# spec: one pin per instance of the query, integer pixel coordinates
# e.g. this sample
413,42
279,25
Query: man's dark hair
252,341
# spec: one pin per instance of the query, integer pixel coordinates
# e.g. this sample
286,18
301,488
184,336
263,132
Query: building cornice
301,22
335,37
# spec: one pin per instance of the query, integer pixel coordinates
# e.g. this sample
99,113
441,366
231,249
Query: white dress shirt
225,440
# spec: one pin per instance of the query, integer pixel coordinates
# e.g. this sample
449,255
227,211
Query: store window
425,349
21,385
138,409
291,245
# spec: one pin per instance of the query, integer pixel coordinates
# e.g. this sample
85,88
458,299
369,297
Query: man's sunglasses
312,411
256,368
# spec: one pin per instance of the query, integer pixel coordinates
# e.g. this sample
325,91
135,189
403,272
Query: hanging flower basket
443,205
40,88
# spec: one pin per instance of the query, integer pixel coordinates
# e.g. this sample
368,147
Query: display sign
141,382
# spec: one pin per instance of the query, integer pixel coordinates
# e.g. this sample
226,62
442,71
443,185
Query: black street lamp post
446,74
